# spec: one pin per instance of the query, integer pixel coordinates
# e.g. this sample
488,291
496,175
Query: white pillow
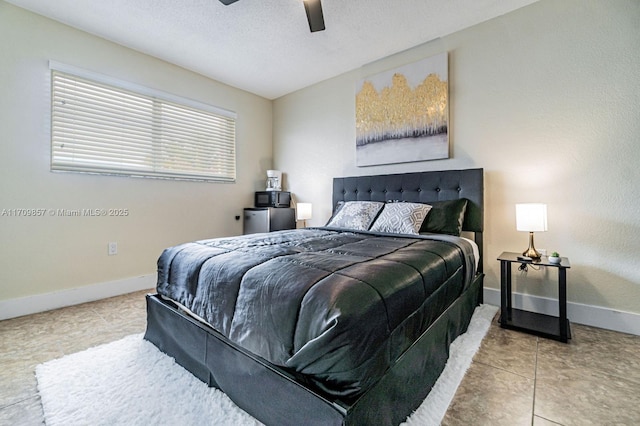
356,215
401,218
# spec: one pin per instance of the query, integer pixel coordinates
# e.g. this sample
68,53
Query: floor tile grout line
504,369
549,420
95,311
35,395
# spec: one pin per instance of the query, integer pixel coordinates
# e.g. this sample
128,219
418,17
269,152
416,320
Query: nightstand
557,328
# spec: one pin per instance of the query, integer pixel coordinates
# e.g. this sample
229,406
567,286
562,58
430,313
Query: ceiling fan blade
227,2
314,15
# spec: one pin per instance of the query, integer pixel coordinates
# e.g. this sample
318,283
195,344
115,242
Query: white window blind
100,128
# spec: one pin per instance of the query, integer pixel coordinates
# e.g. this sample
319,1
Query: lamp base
531,251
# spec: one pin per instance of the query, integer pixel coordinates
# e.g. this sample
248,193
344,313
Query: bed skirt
275,396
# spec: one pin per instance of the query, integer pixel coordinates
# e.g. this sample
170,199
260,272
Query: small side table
557,328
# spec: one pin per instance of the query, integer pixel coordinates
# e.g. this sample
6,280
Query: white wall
546,99
48,255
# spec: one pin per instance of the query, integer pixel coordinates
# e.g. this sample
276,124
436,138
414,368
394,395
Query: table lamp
303,212
531,217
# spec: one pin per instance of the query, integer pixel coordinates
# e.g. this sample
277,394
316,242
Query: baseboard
595,316
18,307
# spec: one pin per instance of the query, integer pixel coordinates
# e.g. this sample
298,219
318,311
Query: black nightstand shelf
549,326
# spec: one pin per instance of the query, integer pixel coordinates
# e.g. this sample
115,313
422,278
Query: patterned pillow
401,218
356,215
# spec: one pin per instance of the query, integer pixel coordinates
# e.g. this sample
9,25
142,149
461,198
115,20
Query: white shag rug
130,382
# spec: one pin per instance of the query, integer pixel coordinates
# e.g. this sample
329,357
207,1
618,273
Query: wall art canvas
402,115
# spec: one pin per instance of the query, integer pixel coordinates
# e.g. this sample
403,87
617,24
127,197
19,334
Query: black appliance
268,219
273,199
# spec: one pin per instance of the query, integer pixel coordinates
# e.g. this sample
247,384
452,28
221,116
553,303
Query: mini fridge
267,219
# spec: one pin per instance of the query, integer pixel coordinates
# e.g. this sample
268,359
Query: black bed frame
276,396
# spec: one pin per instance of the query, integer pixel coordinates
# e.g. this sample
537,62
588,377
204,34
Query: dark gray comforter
338,307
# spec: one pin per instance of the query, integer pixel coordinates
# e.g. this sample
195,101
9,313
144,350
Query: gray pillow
356,215
401,218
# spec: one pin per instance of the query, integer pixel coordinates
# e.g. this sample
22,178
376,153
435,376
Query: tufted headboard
420,187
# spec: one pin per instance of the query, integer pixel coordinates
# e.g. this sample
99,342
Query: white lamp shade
531,217
303,211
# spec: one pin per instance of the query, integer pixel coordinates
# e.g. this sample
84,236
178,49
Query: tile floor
31,340
515,378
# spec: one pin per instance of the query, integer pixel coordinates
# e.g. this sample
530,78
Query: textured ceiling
265,46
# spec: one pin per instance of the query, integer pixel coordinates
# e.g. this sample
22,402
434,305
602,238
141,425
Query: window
106,128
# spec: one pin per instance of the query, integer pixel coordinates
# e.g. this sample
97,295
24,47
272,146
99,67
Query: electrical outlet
113,248
543,251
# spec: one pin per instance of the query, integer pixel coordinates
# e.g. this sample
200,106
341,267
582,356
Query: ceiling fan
313,9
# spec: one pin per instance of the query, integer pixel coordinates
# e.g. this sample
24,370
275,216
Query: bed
335,325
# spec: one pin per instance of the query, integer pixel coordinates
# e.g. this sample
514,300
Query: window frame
158,126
